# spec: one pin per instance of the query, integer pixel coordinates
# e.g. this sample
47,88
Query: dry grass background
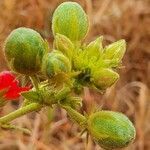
115,19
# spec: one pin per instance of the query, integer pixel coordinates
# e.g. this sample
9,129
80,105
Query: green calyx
69,19
111,130
100,62
55,63
24,50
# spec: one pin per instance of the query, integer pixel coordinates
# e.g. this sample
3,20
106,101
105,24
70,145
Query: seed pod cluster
73,65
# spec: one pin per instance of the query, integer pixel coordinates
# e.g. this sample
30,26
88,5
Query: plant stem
34,82
24,130
76,116
20,112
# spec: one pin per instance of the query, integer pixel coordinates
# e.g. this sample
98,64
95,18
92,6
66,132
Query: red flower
9,83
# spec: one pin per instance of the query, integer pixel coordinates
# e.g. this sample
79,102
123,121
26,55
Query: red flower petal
6,78
14,91
8,81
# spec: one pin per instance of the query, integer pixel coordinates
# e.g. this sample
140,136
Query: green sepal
76,117
73,102
95,48
108,63
31,95
62,93
89,55
115,50
104,78
64,44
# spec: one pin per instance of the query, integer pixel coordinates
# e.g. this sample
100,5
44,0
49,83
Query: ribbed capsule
111,130
24,49
69,19
55,63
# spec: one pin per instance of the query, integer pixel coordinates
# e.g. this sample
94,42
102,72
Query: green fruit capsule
111,130
69,19
24,50
55,63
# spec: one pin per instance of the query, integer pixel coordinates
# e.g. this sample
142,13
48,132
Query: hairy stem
13,127
20,112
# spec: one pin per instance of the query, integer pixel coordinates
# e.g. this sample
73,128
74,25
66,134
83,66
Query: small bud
70,20
24,50
111,130
95,48
64,45
115,50
54,63
104,78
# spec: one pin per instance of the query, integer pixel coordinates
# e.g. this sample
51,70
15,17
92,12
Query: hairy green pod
70,20
111,130
54,63
24,50
104,78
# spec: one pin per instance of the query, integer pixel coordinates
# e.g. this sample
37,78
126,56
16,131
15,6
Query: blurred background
114,19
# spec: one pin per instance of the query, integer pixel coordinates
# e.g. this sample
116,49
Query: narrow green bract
70,20
24,50
110,129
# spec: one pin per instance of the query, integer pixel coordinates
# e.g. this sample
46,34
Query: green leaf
31,95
